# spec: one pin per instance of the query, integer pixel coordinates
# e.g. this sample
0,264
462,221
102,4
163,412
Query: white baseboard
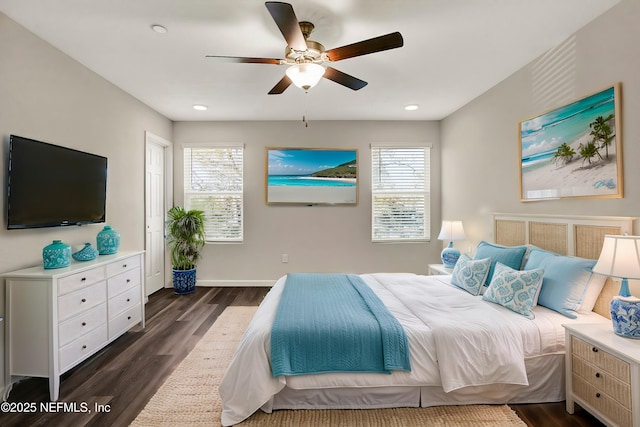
238,283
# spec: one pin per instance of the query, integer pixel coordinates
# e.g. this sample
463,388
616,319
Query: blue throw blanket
334,323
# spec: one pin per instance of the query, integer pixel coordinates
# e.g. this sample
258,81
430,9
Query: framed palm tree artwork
574,150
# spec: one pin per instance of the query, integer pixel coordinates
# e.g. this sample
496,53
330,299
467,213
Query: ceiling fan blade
344,79
365,47
281,86
288,24
244,60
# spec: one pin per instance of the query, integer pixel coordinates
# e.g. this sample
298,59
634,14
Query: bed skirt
546,384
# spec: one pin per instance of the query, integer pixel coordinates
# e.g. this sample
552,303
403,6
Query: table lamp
620,257
451,230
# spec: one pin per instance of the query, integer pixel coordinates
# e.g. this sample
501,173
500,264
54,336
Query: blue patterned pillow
470,274
508,255
513,289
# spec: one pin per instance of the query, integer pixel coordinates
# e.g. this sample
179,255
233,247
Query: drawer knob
128,280
84,347
124,265
128,317
597,374
83,279
595,350
128,299
84,323
84,300
598,395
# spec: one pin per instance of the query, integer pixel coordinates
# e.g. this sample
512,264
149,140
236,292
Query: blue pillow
470,274
513,289
511,256
565,282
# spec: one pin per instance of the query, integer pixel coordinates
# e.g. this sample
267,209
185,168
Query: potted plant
186,239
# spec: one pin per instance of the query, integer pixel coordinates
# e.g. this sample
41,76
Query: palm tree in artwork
564,154
602,133
588,151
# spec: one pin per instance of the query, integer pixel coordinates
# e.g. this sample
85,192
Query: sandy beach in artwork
574,179
311,194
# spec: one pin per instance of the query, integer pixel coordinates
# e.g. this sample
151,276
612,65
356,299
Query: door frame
167,145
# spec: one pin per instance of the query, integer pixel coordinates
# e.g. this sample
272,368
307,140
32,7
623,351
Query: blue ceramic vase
625,316
108,241
184,281
56,255
87,253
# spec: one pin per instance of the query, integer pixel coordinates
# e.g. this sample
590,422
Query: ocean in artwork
541,136
307,181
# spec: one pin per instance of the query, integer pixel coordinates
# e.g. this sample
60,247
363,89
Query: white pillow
594,287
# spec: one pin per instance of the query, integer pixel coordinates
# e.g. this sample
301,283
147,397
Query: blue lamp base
449,256
625,316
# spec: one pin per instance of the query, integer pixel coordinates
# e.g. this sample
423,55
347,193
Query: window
213,184
400,192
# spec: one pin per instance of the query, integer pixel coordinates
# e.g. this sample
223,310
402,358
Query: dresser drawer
80,280
123,281
81,324
601,402
81,300
124,301
82,347
601,359
124,321
118,267
603,381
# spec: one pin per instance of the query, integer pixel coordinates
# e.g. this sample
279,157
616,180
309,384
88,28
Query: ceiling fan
305,56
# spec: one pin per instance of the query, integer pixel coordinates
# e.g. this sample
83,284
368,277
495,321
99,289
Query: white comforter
456,340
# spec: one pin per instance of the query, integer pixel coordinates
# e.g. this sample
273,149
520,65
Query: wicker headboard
580,236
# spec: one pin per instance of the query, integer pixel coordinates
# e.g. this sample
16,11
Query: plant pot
184,281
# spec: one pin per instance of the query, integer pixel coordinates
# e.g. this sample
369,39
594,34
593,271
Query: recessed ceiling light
411,107
159,28
200,107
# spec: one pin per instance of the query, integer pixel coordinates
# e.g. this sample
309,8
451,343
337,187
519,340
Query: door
156,174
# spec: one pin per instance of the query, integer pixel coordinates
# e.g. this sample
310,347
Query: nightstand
435,269
603,373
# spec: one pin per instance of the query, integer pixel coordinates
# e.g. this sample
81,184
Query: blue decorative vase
184,281
85,254
108,241
56,255
449,256
625,316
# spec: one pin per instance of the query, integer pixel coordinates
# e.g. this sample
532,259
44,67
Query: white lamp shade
451,230
620,257
305,75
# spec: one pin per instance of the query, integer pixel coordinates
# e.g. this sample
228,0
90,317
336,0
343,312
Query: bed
451,332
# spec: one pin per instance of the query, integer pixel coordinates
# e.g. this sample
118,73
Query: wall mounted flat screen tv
49,185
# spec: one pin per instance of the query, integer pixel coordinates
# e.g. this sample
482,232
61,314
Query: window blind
213,184
400,190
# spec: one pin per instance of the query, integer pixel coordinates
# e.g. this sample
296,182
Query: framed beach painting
311,176
574,150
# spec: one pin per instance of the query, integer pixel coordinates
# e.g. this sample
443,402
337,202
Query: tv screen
49,185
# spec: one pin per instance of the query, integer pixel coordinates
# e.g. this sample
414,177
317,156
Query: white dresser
57,318
603,373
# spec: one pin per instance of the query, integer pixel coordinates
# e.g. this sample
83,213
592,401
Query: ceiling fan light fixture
305,75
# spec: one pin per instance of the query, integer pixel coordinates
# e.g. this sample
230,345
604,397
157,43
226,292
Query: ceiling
454,50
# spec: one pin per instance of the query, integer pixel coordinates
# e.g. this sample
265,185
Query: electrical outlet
285,258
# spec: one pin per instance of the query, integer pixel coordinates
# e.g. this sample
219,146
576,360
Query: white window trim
187,176
427,193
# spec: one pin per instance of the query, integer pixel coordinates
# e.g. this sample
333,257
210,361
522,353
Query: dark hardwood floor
121,378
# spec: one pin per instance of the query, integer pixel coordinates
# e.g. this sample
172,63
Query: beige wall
480,157
46,95
318,238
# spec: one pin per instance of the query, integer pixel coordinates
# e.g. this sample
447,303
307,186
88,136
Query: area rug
189,397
